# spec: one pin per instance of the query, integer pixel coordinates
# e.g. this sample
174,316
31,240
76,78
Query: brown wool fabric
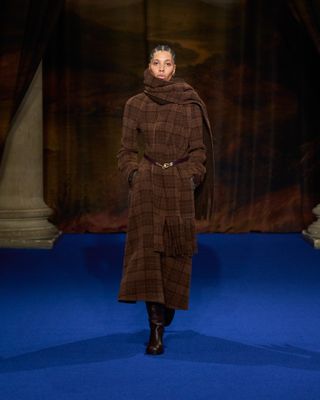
170,117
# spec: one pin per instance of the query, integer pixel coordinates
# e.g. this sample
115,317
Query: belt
166,164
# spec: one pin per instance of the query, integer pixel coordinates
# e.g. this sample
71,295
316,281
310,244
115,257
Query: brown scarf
179,92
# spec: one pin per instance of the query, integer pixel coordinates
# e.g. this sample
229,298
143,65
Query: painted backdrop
254,64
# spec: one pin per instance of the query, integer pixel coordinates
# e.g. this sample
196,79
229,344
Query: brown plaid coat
169,115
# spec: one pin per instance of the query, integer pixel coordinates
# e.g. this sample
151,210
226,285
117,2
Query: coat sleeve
128,153
197,149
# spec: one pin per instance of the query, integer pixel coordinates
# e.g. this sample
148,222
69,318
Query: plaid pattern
161,227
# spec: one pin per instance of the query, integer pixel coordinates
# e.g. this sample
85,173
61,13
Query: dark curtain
25,27
307,14
254,63
305,45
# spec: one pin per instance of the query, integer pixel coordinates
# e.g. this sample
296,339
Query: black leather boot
168,316
156,322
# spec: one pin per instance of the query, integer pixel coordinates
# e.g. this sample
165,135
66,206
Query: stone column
23,212
312,233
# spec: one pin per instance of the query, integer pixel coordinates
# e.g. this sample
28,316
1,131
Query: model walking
172,119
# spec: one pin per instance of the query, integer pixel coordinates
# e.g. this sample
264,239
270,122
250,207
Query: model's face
162,65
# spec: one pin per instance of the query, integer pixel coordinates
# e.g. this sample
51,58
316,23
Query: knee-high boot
156,312
169,314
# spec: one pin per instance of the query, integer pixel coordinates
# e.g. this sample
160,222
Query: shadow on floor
180,346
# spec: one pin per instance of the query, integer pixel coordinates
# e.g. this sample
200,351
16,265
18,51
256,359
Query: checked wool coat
170,117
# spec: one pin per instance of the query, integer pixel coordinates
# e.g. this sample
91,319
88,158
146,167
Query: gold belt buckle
167,165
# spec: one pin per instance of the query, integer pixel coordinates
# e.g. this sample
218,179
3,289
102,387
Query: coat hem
134,301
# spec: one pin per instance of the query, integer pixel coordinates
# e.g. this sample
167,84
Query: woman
170,117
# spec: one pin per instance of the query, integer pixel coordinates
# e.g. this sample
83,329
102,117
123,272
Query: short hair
163,47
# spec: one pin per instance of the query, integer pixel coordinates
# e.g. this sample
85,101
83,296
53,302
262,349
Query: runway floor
252,331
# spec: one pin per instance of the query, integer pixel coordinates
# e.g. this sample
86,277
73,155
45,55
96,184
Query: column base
315,241
27,229
25,243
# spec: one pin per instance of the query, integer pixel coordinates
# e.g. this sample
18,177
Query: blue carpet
252,331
